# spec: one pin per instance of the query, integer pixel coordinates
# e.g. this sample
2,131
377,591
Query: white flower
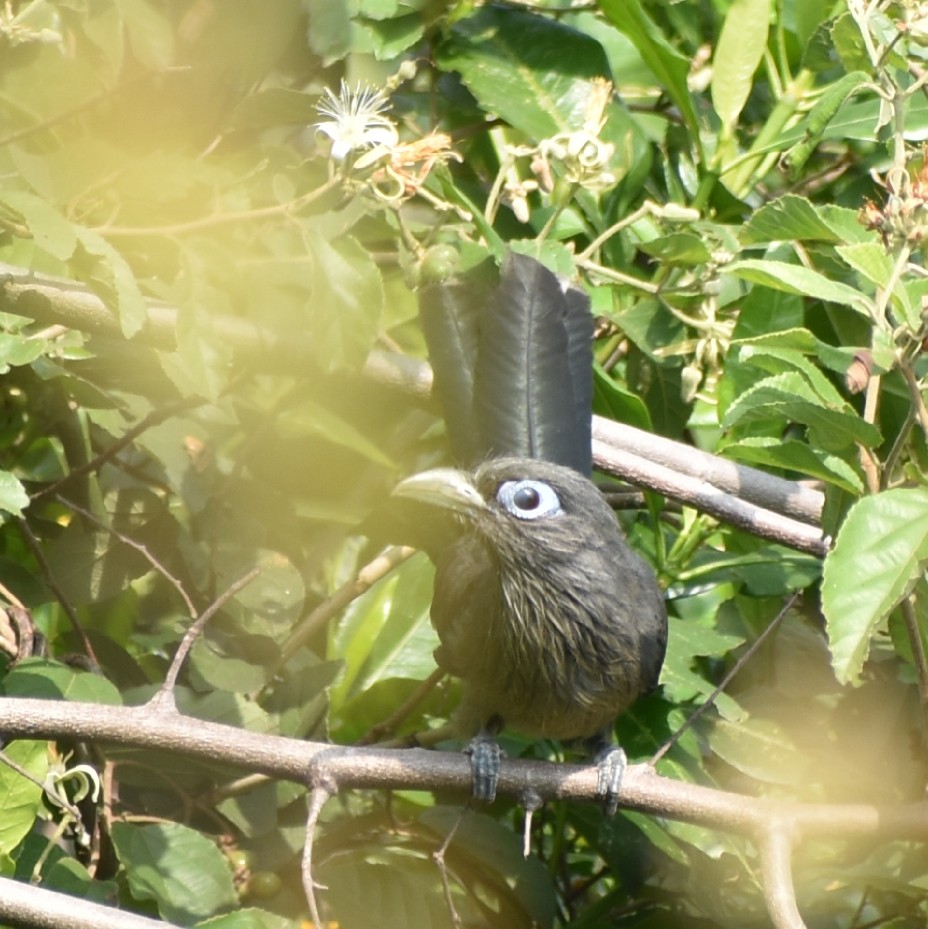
356,121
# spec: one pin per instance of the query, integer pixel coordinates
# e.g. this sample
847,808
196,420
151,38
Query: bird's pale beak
444,487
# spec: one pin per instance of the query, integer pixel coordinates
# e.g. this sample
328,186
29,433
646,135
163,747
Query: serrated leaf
790,396
792,455
111,278
880,552
796,279
738,53
787,219
532,72
775,360
50,229
181,870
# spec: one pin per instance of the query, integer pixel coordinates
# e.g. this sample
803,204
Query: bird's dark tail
512,359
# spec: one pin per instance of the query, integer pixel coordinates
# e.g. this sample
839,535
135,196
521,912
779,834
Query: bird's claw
610,766
485,757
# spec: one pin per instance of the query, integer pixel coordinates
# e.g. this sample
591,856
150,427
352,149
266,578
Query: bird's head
519,504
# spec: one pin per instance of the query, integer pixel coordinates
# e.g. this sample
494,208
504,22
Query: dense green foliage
747,213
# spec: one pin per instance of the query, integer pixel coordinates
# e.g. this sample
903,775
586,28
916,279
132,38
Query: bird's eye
529,499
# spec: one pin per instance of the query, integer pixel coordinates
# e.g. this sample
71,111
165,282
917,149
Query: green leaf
669,66
49,228
276,106
532,72
738,53
768,356
247,918
92,566
111,278
790,396
231,660
329,33
20,798
151,33
184,873
614,401
689,640
880,552
792,455
44,679
311,418
684,248
760,748
849,44
872,262
19,349
13,496
796,279
347,301
788,219
386,632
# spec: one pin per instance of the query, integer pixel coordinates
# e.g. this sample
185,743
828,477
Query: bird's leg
485,755
611,763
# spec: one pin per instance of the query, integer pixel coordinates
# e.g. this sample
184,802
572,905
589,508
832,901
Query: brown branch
772,824
26,905
421,769
758,502
776,847
708,498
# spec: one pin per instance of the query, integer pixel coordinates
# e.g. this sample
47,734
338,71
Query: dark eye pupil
526,498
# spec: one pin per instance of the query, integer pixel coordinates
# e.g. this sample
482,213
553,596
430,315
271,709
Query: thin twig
318,797
438,856
61,801
164,698
54,587
917,644
383,564
726,680
139,547
154,418
918,402
389,725
221,219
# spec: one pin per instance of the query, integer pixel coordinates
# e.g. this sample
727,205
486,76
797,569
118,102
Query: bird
549,619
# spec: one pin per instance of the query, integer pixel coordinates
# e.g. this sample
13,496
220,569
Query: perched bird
552,623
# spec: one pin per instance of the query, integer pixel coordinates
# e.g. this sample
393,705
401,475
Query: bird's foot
485,755
610,765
